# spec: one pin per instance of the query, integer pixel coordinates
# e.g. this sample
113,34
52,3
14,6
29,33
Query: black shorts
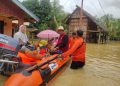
77,64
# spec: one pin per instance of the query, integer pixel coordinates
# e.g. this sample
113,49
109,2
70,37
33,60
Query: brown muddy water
102,68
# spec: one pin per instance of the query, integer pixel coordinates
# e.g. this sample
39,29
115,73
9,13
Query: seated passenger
62,43
63,40
43,48
30,55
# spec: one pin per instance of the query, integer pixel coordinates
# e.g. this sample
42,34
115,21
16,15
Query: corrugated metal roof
25,9
89,16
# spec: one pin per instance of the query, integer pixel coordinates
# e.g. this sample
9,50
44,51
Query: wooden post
81,14
99,39
103,38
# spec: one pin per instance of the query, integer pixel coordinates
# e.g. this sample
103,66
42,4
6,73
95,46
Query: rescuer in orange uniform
77,51
72,39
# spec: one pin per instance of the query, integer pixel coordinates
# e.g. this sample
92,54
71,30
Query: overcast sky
93,6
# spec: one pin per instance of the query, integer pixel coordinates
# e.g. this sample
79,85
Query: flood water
102,68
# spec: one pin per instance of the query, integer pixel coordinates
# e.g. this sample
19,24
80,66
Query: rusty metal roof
25,9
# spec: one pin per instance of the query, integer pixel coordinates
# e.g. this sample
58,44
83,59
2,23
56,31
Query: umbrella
47,34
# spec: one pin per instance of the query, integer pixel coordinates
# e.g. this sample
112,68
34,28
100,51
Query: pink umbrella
47,34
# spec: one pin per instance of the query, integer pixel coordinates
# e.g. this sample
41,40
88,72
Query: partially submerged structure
94,31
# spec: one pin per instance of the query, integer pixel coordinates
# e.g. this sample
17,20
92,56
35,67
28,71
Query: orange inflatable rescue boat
39,71
39,74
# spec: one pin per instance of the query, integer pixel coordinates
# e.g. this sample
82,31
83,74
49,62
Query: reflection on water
102,68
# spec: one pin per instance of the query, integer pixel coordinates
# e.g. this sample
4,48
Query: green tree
112,24
45,11
58,12
51,14
32,5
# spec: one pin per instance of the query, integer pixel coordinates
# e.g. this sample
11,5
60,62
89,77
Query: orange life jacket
43,51
77,50
71,42
26,59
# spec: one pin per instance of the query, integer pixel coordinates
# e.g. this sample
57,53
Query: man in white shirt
21,35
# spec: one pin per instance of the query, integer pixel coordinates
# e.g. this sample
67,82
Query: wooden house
11,10
94,31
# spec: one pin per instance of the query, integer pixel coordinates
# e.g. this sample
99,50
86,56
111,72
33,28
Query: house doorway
1,27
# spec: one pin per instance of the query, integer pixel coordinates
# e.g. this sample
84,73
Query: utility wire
101,7
106,19
65,2
92,6
70,4
95,8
